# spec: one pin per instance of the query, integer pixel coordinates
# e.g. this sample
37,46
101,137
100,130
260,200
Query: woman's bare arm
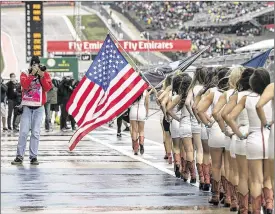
171,105
234,115
218,107
194,107
217,111
229,107
189,102
202,107
147,103
163,94
267,95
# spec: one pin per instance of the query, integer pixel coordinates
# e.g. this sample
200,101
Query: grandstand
226,26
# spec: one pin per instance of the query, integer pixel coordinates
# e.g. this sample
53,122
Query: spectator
17,108
54,103
4,89
36,82
12,96
124,118
51,99
65,90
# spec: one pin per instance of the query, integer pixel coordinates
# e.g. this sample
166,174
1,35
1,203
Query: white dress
227,139
185,124
175,125
242,121
271,137
196,127
138,110
216,137
257,141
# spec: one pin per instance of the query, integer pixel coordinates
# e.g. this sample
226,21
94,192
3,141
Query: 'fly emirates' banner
129,46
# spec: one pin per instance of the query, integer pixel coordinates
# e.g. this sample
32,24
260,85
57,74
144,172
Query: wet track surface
101,175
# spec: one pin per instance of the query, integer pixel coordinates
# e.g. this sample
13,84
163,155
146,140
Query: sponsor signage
34,29
86,57
64,64
129,46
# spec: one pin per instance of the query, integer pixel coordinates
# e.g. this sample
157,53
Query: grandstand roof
262,45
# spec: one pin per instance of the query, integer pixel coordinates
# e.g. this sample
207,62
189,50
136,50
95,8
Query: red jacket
45,81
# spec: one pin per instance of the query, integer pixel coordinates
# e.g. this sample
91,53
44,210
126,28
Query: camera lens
43,68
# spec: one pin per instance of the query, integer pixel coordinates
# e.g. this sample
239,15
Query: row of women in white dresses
258,145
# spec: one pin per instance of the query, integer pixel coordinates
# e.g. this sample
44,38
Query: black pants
64,117
12,111
47,107
119,122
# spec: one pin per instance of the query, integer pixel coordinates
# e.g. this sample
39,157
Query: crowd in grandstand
163,15
229,10
169,18
202,39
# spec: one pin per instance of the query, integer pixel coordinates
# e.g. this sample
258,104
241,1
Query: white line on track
138,158
150,141
159,166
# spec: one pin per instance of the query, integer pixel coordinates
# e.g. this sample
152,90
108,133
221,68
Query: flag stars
107,65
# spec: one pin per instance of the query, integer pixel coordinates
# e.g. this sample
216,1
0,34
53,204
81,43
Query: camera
36,68
42,67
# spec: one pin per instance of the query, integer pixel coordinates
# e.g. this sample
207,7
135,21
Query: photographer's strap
33,107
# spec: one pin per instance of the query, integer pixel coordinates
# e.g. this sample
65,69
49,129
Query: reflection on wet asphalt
92,178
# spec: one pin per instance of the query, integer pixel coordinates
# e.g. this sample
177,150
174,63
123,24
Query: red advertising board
129,46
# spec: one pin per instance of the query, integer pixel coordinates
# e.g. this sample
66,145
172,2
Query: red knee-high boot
227,191
234,199
257,204
206,173
215,199
201,175
135,146
268,195
191,166
177,165
243,203
183,166
141,144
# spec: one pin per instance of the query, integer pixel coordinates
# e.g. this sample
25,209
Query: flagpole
130,59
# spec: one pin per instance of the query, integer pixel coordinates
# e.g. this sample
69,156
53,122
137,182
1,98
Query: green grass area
1,62
95,29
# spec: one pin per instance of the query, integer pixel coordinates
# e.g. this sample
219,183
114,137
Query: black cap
34,60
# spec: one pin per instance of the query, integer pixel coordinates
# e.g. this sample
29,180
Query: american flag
108,88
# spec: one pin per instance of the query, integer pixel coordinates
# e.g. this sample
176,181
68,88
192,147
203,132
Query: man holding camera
36,82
